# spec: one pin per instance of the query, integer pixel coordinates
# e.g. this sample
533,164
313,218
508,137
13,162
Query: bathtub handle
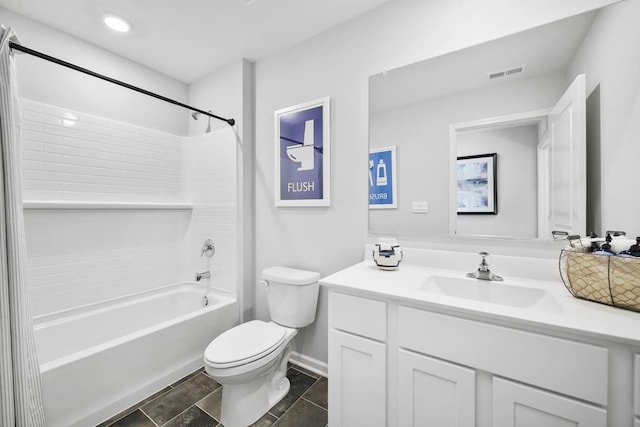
208,248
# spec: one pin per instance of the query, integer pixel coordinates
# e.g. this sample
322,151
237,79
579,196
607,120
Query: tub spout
204,275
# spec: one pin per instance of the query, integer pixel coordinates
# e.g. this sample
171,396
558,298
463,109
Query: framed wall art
382,178
303,154
476,181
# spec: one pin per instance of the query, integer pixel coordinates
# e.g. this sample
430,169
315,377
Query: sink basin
481,290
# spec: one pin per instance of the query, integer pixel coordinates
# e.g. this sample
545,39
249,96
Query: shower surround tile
78,257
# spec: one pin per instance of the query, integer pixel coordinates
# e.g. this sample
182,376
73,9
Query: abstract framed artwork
477,184
302,154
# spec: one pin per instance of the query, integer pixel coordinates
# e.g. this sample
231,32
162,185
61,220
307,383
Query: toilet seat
244,344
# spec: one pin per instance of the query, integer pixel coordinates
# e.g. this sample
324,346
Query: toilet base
244,404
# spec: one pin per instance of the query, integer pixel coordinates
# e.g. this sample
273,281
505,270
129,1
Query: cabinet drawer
561,365
516,405
636,384
360,316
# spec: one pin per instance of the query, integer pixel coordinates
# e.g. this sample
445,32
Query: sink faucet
483,272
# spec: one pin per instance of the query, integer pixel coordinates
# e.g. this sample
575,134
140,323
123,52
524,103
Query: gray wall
421,133
337,64
516,181
609,57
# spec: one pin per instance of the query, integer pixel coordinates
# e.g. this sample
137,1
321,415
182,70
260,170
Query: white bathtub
100,359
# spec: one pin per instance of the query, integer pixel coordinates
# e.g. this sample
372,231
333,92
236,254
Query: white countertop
556,309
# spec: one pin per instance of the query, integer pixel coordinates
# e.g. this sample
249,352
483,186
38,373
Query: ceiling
187,39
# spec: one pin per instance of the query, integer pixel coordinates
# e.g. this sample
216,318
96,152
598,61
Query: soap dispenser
605,249
633,251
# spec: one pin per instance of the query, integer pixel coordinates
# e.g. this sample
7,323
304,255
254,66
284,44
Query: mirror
491,98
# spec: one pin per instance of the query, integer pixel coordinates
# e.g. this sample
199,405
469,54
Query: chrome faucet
205,275
208,249
483,272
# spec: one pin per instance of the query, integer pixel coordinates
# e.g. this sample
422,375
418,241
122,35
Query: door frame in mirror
518,119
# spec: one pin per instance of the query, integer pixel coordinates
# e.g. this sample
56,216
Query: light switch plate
420,207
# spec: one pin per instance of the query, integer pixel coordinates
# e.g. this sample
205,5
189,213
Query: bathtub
102,358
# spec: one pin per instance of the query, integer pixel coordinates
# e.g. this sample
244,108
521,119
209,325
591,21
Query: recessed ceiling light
117,23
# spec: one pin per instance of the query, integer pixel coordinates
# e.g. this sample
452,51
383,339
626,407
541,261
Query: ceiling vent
505,73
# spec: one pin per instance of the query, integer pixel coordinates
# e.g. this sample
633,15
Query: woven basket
610,280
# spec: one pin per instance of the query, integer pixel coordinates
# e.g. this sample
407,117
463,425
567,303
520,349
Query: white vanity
426,346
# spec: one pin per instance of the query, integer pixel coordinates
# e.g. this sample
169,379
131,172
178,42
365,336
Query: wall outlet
420,207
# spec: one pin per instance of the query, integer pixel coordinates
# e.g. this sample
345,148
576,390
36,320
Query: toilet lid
244,343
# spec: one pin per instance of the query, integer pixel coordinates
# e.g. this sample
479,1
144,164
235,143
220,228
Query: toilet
250,360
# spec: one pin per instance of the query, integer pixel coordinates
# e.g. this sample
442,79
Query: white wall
42,81
421,133
609,59
338,64
229,93
220,92
516,181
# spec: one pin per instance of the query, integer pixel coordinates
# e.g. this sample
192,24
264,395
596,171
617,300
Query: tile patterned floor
195,401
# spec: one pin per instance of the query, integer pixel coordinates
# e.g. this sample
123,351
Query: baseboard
309,363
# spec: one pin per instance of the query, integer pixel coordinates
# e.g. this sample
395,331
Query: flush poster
302,154
382,178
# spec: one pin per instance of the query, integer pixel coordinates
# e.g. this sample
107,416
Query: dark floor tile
126,412
318,393
180,398
303,413
192,417
187,378
134,419
212,403
306,371
299,384
265,421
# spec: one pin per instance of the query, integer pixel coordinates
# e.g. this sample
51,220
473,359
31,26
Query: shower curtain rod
46,57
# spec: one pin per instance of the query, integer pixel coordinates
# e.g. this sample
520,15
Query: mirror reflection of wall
516,175
413,106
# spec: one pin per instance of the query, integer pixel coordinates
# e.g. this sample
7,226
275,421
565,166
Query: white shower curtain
20,387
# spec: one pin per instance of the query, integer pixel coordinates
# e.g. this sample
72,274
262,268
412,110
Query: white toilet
250,360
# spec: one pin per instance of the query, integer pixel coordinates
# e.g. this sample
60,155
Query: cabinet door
636,384
516,405
358,386
433,392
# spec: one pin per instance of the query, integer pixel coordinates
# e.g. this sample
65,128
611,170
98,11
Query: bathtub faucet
200,276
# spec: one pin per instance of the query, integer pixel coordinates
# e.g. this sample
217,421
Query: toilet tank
292,295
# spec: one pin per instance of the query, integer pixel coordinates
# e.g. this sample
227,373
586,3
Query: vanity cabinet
396,364
517,405
357,361
636,388
432,392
